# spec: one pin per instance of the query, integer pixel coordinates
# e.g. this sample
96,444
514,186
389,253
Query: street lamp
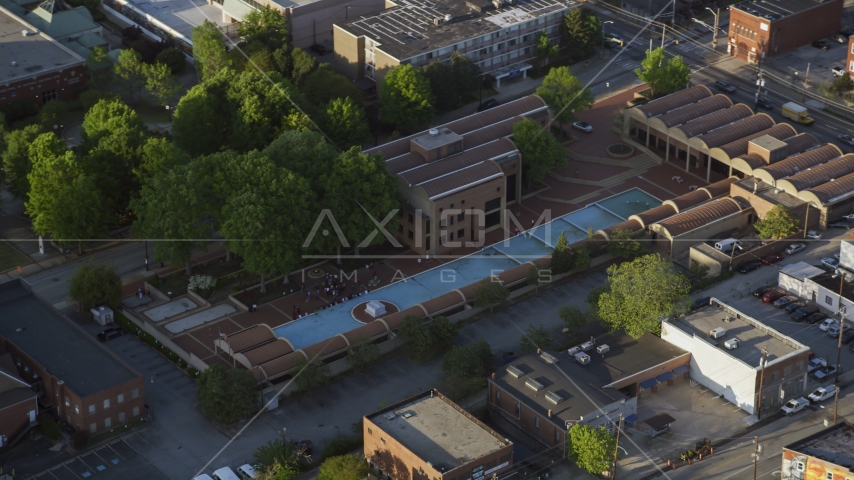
715,33
603,32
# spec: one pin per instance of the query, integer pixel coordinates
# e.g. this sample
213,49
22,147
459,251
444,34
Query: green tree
209,50
95,285
263,21
16,159
303,65
226,396
534,338
843,84
405,98
78,213
540,150
161,83
441,77
538,276
780,222
172,58
467,76
90,98
582,32
159,155
443,331
362,353
261,62
275,452
422,339
562,256
697,270
490,293
641,293
131,73
592,299
311,374
51,114
283,61
277,471
100,68
470,361
323,85
572,317
662,75
344,121
592,448
625,244
344,467
544,49
565,94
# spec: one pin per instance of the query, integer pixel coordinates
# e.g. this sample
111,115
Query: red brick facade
849,62
514,411
61,84
751,35
15,417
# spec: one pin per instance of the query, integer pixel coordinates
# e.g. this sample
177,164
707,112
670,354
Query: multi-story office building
498,36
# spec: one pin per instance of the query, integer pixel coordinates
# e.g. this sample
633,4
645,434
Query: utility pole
836,406
841,329
760,82
755,454
807,79
761,380
663,32
617,445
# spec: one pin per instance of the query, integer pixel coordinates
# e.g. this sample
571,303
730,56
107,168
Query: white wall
794,286
595,418
827,299
846,254
715,369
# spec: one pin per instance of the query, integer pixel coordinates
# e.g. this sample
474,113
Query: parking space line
467,335
130,446
397,367
51,473
70,470
102,458
114,450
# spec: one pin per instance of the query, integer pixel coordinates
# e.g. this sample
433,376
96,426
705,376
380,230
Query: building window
829,475
787,371
536,422
121,398
527,50
497,395
121,417
493,204
93,427
91,409
461,217
461,233
775,376
799,367
828,300
49,95
410,235
451,236
851,66
135,411
517,410
106,403
108,422
76,410
67,402
134,393
557,436
411,218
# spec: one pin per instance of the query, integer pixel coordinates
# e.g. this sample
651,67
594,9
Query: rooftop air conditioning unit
438,21
549,358
448,17
534,385
553,397
602,349
389,416
515,372
433,132
731,344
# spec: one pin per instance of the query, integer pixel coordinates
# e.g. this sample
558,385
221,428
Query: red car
772,259
772,296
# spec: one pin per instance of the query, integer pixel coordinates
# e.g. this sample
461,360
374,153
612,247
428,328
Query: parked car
724,86
111,333
847,336
850,216
487,105
827,324
813,235
846,139
815,318
822,393
749,267
795,248
824,372
803,312
773,258
318,49
772,296
783,301
815,364
765,103
700,303
794,306
841,224
830,263
840,38
583,126
761,291
795,405
821,45
833,330
838,71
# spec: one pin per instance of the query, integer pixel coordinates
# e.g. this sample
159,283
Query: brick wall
539,427
14,418
59,84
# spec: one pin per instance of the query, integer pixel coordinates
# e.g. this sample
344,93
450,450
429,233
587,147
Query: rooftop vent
549,358
433,132
553,397
534,385
389,416
448,17
516,372
407,415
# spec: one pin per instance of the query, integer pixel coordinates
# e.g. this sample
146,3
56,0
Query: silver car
795,248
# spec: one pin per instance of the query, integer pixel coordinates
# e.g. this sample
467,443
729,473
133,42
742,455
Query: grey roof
62,348
62,23
833,444
626,357
407,30
773,11
33,55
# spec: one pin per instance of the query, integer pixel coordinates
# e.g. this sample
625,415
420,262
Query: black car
803,313
749,267
794,306
847,336
111,333
765,103
761,291
700,303
318,49
487,105
725,87
815,318
821,44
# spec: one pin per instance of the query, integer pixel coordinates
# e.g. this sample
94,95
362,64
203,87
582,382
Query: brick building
849,58
91,388
428,436
827,454
459,178
36,66
534,400
498,35
767,29
18,402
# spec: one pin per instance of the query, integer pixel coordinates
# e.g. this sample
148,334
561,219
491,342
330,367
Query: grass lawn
175,283
11,258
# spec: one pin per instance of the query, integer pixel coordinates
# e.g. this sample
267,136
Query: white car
795,248
815,364
838,71
813,235
827,323
583,126
829,262
850,216
822,393
795,405
833,330
847,139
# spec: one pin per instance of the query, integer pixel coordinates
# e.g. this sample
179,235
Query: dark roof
514,274
16,396
754,160
834,189
325,347
689,112
719,188
800,143
702,215
443,302
61,347
368,330
250,337
471,175
822,173
395,319
490,133
689,199
834,444
631,225
654,214
671,102
439,168
705,124
736,130
268,351
802,161
282,364
738,147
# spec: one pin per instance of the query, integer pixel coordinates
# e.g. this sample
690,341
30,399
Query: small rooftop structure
30,54
834,445
801,271
375,308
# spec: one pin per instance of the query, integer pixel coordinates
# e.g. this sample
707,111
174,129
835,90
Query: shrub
341,446
173,58
48,427
80,439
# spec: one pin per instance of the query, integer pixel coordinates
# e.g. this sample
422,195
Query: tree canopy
343,467
470,361
540,150
209,50
95,285
662,75
490,293
323,85
344,121
226,395
535,337
625,244
582,32
362,353
311,374
565,94
544,49
573,317
538,276
423,339
406,98
592,448
780,222
641,293
16,159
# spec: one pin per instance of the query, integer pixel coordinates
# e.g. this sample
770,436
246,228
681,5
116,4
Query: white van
225,473
726,245
246,471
